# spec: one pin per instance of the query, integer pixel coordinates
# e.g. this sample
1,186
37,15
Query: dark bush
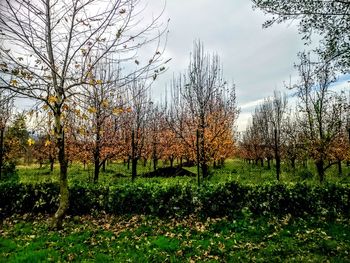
224,199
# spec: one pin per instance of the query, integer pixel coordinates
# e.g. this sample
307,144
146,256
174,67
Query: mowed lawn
149,239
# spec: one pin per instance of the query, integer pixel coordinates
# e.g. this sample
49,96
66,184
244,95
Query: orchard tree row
112,122
317,127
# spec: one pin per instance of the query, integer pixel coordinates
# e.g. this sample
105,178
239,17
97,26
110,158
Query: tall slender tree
49,49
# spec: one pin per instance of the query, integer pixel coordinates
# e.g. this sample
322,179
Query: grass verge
150,239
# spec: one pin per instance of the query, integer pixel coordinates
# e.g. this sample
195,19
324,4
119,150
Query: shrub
305,174
223,199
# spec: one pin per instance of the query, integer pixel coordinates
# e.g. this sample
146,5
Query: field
241,237
150,239
234,169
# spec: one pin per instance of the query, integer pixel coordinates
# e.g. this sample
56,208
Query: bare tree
321,111
204,81
140,106
203,106
278,106
6,106
49,49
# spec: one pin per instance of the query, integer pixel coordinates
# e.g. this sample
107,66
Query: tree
17,138
277,107
98,103
156,125
50,47
294,147
321,111
44,148
328,19
140,106
6,106
203,108
203,84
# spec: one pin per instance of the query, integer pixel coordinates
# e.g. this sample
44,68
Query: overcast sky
257,60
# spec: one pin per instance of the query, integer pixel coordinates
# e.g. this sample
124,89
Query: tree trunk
96,165
2,132
171,159
262,162
52,162
222,162
133,169
205,170
269,163
128,162
202,154
292,160
56,221
197,150
340,171
133,157
278,167
320,169
104,165
155,163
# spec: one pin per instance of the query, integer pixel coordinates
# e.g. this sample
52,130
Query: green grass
234,169
150,239
108,238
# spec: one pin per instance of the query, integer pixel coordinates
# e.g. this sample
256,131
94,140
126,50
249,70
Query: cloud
258,60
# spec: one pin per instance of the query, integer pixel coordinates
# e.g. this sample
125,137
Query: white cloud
258,60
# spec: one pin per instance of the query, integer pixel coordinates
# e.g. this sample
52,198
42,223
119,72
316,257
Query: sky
257,60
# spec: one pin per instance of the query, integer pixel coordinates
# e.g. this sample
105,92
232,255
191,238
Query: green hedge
224,199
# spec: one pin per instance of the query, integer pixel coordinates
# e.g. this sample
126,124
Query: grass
244,238
150,239
234,169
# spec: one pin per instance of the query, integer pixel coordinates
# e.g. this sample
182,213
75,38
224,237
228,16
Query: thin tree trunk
56,221
340,171
133,157
96,165
133,169
277,156
52,162
292,160
104,165
320,169
204,165
96,170
2,132
278,167
197,144
155,163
